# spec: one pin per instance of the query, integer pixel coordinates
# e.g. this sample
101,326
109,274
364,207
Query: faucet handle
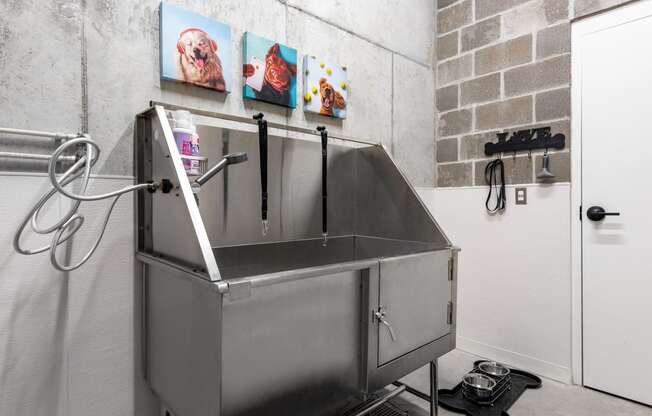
380,315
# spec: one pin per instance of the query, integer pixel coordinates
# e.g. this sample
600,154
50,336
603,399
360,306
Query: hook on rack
545,172
539,138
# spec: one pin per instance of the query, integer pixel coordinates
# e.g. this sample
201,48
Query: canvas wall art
270,71
325,87
195,49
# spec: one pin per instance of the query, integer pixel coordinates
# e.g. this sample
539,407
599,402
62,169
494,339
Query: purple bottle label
186,148
184,144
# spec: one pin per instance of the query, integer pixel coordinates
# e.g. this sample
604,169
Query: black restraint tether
324,181
262,144
491,176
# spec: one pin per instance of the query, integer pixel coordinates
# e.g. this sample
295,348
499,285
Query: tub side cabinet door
413,303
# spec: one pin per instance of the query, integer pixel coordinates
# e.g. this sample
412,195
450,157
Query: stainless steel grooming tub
237,323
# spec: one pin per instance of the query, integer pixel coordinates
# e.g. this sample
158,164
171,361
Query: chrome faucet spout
230,159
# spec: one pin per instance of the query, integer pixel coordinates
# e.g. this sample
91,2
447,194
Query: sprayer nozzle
238,157
230,159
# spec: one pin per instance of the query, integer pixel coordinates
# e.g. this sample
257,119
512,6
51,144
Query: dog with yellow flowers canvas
326,87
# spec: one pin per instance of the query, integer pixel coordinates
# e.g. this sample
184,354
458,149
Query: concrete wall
90,65
93,64
584,8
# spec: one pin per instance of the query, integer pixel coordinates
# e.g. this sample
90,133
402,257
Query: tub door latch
380,316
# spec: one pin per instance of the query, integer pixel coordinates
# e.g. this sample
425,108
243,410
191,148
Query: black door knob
596,213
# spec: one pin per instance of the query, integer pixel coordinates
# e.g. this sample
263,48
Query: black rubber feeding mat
455,401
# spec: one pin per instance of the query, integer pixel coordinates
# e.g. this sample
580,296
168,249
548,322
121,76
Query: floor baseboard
523,362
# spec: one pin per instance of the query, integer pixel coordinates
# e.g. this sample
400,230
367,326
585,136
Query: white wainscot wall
514,287
66,344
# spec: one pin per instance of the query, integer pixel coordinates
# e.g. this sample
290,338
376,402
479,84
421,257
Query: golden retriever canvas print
195,49
326,87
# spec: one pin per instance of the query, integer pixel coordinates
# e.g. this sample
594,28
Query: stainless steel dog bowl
478,385
493,369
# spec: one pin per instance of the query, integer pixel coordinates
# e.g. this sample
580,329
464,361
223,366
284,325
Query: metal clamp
380,315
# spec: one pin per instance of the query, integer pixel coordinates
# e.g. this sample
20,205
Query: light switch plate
520,196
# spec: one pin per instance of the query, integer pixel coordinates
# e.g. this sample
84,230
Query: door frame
608,18
577,373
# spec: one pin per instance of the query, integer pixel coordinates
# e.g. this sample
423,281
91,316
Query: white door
612,104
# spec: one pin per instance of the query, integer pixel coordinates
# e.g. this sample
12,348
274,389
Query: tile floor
552,399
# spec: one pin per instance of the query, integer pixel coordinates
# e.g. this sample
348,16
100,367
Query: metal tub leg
434,398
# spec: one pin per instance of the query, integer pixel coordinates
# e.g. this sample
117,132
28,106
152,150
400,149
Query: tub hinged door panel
414,293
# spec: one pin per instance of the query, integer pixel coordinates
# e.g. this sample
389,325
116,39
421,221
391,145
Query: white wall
514,275
66,345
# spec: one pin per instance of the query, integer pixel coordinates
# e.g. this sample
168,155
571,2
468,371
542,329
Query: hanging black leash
324,182
491,174
262,144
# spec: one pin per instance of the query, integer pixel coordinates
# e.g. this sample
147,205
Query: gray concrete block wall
587,7
511,71
508,61
96,64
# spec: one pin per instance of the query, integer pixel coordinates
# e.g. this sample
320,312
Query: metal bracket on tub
219,286
451,262
239,290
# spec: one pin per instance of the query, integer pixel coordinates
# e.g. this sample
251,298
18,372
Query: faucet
230,159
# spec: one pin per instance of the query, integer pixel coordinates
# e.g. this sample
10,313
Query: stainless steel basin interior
263,258
237,322
367,196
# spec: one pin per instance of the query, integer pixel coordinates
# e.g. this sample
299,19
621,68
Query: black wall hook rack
539,138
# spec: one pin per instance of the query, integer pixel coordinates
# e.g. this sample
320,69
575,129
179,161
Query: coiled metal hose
63,229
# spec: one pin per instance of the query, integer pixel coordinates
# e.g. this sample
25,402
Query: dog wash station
320,314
